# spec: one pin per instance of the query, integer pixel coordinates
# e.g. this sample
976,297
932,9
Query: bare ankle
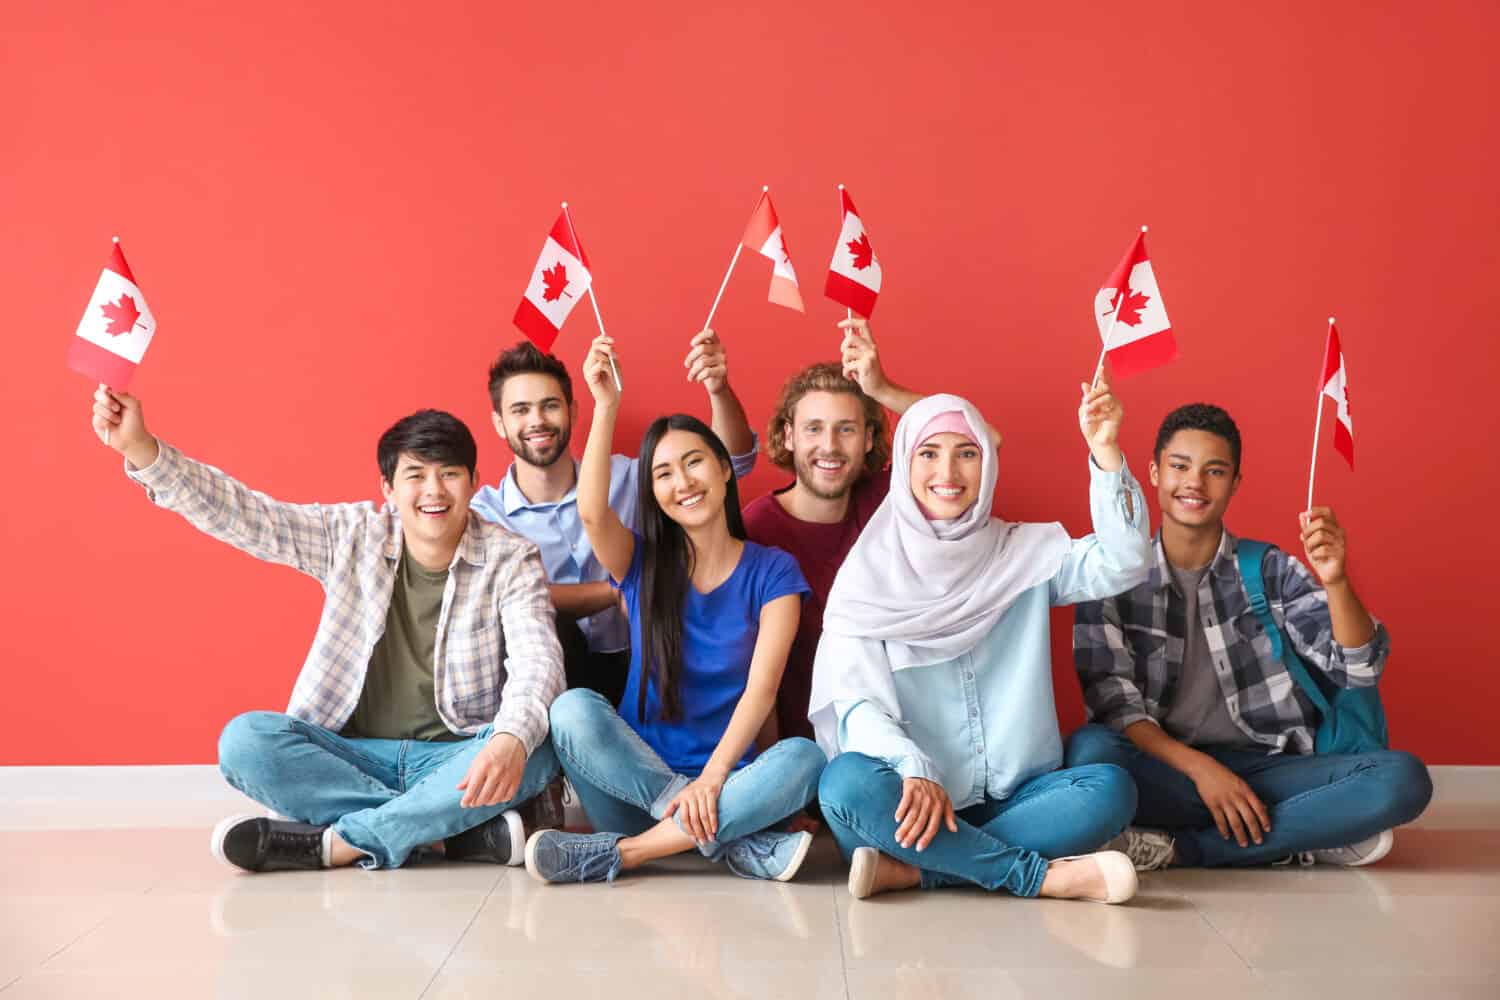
892,873
339,852
1072,879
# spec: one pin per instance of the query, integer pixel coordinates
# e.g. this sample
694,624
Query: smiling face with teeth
945,475
535,418
688,479
829,438
432,499
1195,476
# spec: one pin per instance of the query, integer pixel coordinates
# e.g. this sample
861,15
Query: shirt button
973,713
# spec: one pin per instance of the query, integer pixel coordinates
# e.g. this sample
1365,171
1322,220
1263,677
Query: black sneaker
259,844
545,811
499,840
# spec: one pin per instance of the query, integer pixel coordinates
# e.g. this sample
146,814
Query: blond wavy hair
825,377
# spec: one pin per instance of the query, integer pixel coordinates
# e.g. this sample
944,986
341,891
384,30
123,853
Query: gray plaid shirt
497,659
1128,649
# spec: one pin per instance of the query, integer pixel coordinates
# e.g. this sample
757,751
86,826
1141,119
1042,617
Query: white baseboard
191,795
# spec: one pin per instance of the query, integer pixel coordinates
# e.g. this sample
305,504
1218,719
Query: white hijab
928,591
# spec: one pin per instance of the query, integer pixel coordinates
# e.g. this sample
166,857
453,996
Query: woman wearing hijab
932,687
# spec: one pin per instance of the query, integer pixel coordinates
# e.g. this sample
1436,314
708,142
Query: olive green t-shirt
397,702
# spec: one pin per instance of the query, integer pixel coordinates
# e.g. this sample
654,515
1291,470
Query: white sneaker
1148,850
1366,852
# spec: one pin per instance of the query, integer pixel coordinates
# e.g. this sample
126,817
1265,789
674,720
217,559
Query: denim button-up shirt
985,722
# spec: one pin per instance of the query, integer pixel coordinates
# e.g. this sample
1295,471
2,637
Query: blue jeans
625,787
1000,844
384,797
1315,801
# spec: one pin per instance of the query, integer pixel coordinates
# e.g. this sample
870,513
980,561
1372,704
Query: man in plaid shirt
1183,690
420,715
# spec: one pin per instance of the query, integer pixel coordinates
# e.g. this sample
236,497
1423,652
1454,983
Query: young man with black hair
1183,689
420,716
533,410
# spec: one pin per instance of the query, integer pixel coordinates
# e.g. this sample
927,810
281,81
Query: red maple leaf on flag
120,316
1130,309
864,254
556,280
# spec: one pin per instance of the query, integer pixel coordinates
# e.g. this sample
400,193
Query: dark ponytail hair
667,565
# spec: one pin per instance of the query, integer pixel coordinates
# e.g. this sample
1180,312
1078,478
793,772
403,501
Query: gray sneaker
555,856
768,855
1148,850
1366,852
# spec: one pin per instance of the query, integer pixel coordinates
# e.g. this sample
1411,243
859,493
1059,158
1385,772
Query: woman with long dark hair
712,618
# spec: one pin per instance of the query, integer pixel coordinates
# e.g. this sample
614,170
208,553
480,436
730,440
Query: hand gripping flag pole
592,301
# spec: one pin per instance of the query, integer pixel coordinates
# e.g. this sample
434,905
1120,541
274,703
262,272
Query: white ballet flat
1120,882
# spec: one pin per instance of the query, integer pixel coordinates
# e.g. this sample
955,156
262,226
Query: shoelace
287,842
585,857
1303,859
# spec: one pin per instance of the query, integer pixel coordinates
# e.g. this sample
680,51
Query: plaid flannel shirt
497,658
1128,649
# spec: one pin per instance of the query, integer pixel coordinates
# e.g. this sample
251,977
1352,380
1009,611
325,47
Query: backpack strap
1250,555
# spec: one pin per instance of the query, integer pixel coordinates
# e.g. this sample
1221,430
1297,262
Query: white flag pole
1109,334
116,241
725,283
592,301
1317,425
1099,368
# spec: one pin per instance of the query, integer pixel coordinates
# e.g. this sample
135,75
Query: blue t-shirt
719,630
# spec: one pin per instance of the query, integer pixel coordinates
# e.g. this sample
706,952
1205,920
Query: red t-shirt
820,550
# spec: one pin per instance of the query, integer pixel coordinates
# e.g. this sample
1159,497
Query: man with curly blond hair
829,430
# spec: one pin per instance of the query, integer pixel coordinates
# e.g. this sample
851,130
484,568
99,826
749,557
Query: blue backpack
1351,719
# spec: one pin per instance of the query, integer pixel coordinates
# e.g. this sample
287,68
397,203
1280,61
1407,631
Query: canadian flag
558,282
854,274
1335,385
116,328
1131,318
763,235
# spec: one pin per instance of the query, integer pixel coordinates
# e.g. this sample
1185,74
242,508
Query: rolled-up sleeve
1304,609
745,464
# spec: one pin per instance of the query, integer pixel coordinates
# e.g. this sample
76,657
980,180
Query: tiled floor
147,913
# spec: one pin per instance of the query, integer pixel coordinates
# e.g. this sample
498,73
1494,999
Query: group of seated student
866,648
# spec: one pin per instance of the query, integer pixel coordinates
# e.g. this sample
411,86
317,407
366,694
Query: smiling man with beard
533,410
829,430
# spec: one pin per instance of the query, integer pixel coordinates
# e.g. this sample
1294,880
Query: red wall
333,212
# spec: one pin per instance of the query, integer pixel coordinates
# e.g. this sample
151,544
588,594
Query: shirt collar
1222,565
512,500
